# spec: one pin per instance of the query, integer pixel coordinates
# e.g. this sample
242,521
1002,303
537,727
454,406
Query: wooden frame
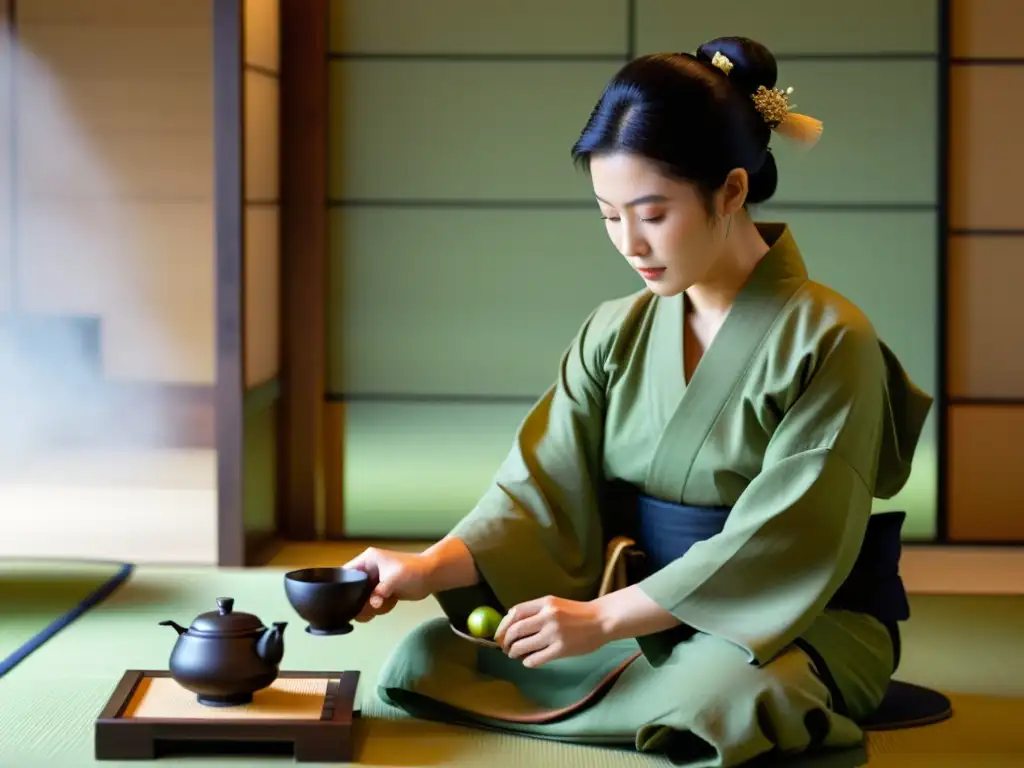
328,739
304,253
229,222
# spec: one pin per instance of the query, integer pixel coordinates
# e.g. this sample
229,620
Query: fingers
519,630
503,626
386,606
548,653
376,607
379,602
528,644
386,587
366,561
517,613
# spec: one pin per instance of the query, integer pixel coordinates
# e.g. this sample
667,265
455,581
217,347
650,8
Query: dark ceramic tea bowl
328,598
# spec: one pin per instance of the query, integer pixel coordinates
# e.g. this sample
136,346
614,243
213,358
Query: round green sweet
483,622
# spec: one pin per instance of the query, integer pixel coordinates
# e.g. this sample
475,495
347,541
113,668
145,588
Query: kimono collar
783,260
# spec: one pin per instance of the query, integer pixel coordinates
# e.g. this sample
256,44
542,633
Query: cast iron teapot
225,657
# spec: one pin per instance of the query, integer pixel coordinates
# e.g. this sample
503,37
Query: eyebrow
639,201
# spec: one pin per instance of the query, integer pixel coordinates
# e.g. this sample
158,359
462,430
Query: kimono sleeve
794,534
537,529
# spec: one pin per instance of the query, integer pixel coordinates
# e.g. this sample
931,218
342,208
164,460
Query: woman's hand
397,576
551,628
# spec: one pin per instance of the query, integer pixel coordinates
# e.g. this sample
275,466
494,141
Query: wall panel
263,33
485,265
154,53
120,13
792,26
987,28
880,139
262,294
986,488
262,150
144,267
469,26
262,254
986,317
96,98
115,165
411,470
115,160
261,268
504,130
448,130
259,491
986,162
463,302
885,263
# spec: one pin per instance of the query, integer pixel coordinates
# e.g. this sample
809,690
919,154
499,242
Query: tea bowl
328,598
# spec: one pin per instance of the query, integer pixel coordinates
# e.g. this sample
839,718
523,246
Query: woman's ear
733,193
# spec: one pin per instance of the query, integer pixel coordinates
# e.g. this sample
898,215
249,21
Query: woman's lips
652,273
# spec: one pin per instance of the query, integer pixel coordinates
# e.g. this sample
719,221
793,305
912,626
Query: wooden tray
306,714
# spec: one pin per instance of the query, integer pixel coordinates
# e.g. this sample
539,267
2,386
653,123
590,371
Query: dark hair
688,116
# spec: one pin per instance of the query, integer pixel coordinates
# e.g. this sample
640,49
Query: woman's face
660,225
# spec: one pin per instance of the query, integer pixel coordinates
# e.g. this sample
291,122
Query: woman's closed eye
645,219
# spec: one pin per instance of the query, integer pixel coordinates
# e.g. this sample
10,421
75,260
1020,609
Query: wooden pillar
229,186
304,265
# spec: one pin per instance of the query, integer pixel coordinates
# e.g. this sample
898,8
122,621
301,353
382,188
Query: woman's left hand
551,628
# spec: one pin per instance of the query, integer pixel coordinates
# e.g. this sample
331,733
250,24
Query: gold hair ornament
774,106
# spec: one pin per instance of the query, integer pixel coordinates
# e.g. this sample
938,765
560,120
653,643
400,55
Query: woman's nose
632,243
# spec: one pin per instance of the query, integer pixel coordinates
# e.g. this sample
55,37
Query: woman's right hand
396,576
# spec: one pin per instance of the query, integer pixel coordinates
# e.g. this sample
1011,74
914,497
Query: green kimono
796,417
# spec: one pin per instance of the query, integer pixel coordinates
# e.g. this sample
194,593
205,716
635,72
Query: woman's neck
742,252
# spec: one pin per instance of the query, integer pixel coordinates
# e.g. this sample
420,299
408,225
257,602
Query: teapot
226,656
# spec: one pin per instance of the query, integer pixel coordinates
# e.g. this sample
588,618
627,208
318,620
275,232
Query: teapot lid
225,621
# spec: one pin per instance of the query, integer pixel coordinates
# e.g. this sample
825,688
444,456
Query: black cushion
908,706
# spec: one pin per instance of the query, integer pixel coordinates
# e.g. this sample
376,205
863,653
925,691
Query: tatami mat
51,700
38,599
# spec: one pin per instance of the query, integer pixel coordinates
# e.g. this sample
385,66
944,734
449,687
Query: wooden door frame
303,275
229,228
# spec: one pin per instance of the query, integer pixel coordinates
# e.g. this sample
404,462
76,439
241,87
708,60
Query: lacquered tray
306,714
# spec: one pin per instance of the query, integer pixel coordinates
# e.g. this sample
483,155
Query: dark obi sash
664,531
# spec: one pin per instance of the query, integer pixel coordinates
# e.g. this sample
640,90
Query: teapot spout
177,627
270,647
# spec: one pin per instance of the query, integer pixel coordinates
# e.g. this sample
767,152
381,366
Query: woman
733,419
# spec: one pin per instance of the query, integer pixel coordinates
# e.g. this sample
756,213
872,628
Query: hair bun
753,64
752,69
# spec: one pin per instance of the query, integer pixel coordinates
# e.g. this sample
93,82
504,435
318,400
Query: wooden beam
304,265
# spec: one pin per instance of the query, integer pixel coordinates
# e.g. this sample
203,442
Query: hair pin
774,106
722,61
